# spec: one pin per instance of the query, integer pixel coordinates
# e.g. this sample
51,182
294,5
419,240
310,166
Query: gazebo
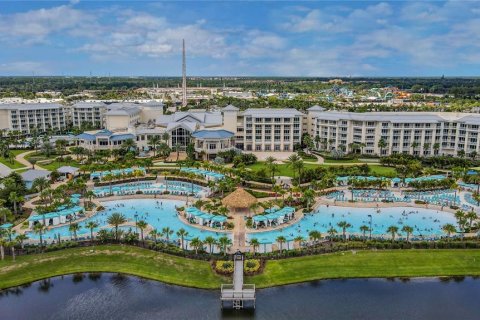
239,199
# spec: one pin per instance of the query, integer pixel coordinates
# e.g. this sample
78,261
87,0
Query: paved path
238,233
238,275
21,158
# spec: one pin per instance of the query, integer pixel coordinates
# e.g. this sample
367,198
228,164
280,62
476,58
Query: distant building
30,175
27,117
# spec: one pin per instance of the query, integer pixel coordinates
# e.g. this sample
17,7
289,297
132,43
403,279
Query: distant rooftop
213,134
270,112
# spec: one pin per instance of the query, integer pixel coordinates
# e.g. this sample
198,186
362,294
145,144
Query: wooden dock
238,293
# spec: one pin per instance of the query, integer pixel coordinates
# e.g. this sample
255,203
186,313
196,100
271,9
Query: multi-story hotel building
385,133
255,130
91,113
26,117
115,116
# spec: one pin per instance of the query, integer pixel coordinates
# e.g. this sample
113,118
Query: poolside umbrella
239,199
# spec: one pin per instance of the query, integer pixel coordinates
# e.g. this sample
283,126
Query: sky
248,38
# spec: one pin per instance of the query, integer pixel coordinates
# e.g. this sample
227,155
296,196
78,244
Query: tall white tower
184,77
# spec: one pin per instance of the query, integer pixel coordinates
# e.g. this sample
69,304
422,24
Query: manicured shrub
224,266
251,266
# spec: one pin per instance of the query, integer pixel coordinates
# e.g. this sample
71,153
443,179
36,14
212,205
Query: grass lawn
124,259
370,264
383,171
341,161
54,165
14,164
199,274
285,170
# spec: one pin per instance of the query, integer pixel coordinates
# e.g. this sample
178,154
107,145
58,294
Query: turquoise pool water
150,187
426,222
158,213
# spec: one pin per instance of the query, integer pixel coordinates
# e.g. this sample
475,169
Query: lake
115,296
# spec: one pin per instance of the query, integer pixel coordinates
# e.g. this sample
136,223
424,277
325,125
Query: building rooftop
213,134
122,109
33,174
30,106
269,112
230,107
92,104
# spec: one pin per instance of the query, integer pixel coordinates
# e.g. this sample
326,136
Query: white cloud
24,68
36,25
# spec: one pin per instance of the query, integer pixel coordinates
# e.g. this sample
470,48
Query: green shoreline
199,274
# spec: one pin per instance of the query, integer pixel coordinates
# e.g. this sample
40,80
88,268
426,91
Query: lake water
113,296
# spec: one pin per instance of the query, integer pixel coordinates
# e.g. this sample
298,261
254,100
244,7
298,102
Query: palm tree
471,216
74,227
254,207
165,137
15,198
129,144
3,244
40,184
449,229
414,145
154,233
331,232
5,212
197,244
21,238
393,231
142,225
181,233
461,220
364,229
210,241
294,162
90,194
298,240
224,242
40,230
436,147
167,232
255,244
91,225
344,225
116,219
381,145
408,230
281,240
272,167
154,141
314,235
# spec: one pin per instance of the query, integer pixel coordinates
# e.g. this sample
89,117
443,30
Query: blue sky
338,38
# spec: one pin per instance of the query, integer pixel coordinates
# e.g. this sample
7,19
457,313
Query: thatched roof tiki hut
239,199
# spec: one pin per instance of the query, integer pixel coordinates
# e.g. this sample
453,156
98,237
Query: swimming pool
425,222
150,187
159,213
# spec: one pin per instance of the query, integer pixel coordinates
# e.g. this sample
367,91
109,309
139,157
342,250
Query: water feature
112,296
425,222
150,187
158,213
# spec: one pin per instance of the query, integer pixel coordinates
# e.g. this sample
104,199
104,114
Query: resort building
115,116
26,117
103,139
29,176
385,133
91,113
279,130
